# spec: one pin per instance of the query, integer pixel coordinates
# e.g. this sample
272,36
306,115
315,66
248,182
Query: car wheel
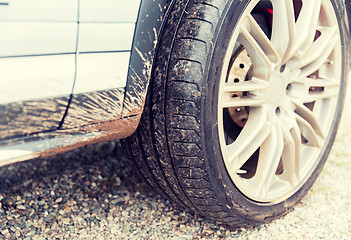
243,105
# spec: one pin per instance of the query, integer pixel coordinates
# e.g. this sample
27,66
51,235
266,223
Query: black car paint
348,12
146,37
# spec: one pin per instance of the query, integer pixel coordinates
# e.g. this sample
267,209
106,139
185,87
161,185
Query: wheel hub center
276,90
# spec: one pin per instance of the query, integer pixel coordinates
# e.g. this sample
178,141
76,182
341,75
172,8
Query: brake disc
239,70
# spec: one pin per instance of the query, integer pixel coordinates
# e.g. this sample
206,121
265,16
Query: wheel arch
348,12
146,37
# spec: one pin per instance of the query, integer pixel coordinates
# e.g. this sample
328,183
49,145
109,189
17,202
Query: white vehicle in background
238,101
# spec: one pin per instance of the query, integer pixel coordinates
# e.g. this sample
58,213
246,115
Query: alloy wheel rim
286,93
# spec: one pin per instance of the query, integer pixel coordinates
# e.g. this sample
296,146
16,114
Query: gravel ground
94,193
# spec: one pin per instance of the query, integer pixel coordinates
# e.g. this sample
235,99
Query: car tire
243,105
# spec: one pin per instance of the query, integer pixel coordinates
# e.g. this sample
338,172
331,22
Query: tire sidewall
226,189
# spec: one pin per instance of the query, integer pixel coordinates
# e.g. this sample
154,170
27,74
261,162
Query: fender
147,33
348,19
348,12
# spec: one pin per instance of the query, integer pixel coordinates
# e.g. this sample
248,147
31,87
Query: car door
106,30
38,41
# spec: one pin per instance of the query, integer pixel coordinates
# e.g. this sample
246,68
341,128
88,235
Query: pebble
38,238
114,229
21,207
66,220
86,209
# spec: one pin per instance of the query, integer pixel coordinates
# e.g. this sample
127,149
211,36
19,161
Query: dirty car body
88,85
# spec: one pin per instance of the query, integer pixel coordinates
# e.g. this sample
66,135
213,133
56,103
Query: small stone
4,232
31,233
32,212
207,232
83,234
58,200
21,207
66,221
48,218
86,209
114,229
38,238
67,209
54,226
100,237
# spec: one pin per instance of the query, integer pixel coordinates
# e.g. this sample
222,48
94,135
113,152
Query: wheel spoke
319,51
306,26
262,39
261,62
291,156
250,139
245,101
246,86
309,125
308,132
270,155
309,90
307,115
283,29
310,82
326,94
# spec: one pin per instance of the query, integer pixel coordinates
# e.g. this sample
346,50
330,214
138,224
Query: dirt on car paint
94,133
22,118
94,107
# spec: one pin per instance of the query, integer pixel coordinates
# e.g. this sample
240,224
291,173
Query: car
227,107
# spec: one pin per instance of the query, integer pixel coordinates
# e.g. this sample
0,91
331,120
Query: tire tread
171,121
